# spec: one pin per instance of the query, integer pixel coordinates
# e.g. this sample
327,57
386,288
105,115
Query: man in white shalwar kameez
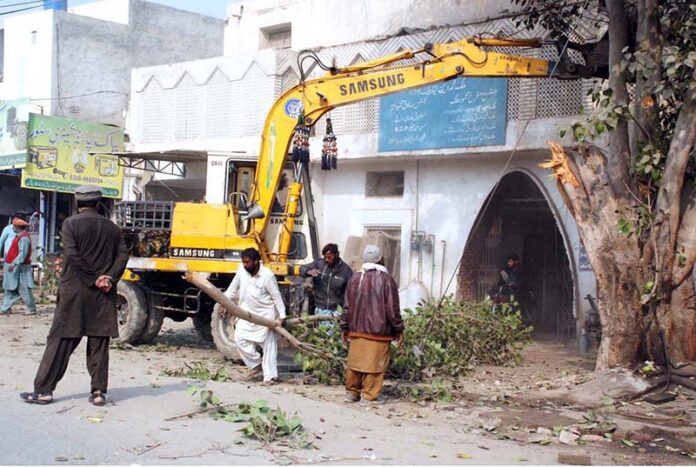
255,289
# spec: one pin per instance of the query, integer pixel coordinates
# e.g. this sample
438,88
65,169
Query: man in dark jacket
330,277
95,257
370,321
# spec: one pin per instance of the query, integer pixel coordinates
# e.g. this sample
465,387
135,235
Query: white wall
82,59
28,67
323,23
442,196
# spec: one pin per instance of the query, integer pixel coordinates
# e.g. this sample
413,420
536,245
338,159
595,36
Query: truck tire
155,318
132,312
223,335
201,323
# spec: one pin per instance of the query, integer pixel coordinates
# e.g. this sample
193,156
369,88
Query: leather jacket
330,285
372,305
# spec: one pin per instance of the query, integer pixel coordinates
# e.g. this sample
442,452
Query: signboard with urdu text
60,160
463,112
14,115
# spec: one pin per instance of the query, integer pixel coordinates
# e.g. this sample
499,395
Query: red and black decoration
329,150
300,141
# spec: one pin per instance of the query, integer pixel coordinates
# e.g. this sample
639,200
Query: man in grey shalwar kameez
17,280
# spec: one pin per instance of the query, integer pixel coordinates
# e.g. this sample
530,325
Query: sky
215,8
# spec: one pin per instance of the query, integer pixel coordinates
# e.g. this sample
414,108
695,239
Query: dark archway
519,220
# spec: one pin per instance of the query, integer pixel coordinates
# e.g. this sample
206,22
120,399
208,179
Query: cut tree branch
275,325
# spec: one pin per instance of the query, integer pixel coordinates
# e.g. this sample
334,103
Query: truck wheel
201,322
155,317
132,308
223,335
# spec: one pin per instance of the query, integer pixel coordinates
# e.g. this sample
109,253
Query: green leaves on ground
198,370
262,422
446,339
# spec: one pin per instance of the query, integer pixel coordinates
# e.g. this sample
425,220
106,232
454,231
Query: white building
450,215
76,63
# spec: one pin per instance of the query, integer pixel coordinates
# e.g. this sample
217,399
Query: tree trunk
584,182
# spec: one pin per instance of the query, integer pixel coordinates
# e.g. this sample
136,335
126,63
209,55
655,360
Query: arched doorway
519,220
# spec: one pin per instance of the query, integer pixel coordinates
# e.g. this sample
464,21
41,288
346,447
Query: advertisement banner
61,155
14,115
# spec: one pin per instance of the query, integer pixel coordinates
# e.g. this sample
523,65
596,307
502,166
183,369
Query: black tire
155,318
202,325
223,335
132,311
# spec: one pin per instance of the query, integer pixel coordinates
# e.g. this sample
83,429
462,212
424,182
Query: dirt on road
526,414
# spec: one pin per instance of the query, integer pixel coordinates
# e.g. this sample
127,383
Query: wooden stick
274,324
308,319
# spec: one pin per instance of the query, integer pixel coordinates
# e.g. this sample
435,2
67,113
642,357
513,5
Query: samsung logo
195,253
371,84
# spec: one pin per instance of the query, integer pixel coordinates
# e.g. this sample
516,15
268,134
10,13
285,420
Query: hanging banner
463,112
60,160
14,115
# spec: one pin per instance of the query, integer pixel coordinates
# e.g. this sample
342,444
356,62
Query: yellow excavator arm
368,80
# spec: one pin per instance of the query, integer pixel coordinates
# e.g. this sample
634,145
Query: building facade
447,216
75,63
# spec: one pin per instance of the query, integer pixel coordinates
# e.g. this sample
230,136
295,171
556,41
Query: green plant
262,422
326,336
50,279
452,337
198,370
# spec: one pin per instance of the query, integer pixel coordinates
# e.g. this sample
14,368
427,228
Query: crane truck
167,239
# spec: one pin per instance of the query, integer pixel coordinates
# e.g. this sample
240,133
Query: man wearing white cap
17,279
370,321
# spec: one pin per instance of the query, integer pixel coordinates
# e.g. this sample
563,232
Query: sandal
37,397
98,399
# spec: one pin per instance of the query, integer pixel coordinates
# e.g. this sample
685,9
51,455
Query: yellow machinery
209,238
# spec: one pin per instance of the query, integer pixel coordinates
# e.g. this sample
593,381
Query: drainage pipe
443,244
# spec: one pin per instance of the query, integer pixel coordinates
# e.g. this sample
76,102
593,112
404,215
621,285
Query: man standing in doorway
370,321
17,278
330,276
510,282
95,257
255,289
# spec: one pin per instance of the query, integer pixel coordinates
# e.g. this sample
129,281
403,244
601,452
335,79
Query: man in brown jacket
94,259
371,319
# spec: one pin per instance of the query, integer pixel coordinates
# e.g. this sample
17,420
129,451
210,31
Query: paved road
140,400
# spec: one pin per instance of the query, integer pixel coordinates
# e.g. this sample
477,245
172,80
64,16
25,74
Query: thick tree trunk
584,182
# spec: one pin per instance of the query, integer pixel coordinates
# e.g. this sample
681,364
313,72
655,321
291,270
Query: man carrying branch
255,289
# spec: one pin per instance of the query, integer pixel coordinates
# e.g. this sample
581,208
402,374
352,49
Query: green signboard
14,115
64,154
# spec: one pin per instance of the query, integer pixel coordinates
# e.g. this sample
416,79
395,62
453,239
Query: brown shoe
352,397
255,374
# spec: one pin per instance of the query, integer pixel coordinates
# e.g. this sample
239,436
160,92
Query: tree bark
619,138
649,44
614,256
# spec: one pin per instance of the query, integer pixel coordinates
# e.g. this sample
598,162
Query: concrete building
76,63
447,215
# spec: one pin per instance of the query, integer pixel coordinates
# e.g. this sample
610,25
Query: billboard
462,112
14,115
61,155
